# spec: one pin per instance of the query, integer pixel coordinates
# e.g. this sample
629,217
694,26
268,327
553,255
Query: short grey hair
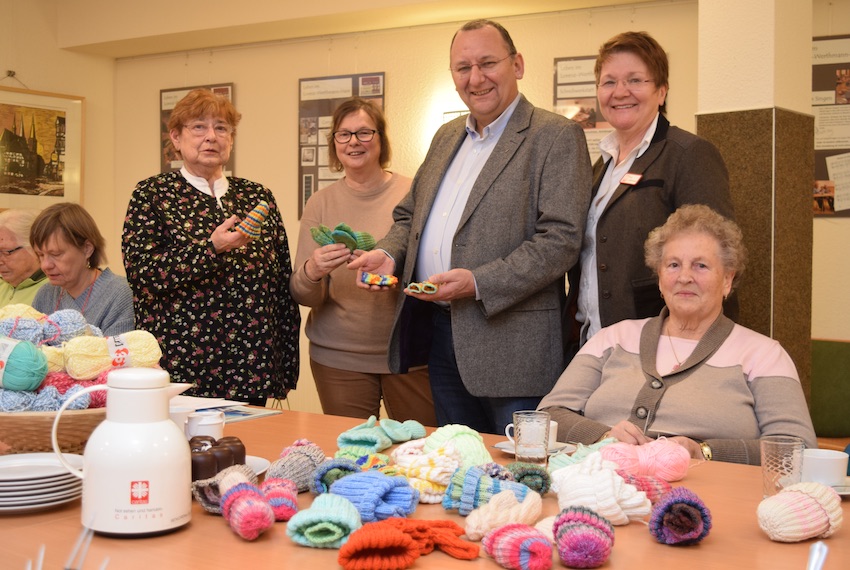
19,223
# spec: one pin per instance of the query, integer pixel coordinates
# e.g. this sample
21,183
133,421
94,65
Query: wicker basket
29,432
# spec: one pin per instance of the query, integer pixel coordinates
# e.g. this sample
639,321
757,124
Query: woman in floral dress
217,300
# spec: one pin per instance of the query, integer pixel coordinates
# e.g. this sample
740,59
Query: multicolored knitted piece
352,452
503,509
533,476
378,546
429,473
208,491
375,279
377,496
343,234
680,518
440,534
369,435
470,488
583,538
244,506
252,225
378,461
519,547
424,287
464,439
331,470
328,523
282,497
497,471
652,486
298,463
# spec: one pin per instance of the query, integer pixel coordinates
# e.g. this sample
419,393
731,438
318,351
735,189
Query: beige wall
122,137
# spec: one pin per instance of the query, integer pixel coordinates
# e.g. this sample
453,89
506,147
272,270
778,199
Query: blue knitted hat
377,496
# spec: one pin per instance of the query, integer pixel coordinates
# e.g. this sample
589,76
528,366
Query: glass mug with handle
532,435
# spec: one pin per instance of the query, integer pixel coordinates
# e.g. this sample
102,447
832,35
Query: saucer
508,447
843,490
258,464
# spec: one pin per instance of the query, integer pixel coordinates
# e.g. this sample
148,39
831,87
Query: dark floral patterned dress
226,322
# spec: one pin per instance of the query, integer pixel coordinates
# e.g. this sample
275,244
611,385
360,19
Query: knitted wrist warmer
377,496
328,522
680,518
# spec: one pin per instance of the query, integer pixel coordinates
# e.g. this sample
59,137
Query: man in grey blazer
495,218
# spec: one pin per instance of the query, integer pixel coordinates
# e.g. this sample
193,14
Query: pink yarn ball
661,458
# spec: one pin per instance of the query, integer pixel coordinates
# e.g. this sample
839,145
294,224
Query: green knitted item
368,435
464,439
326,524
343,234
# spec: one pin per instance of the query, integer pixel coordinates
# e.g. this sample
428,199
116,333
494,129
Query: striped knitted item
470,488
680,518
328,522
253,222
282,497
519,547
535,477
583,538
377,496
244,507
652,486
377,546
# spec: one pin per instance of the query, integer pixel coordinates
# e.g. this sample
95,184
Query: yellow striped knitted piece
253,222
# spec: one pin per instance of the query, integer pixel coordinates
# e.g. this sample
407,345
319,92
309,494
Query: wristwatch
706,450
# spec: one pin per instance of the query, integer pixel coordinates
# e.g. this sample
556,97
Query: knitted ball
519,547
801,511
25,368
662,458
86,357
584,539
680,518
465,440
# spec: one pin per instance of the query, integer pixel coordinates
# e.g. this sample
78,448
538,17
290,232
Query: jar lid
138,378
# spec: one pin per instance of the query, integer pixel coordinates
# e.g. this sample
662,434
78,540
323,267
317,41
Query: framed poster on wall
575,98
168,98
41,148
318,98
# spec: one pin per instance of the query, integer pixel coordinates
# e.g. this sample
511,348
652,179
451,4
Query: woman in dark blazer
647,169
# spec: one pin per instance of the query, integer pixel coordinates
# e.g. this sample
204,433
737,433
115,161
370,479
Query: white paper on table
197,403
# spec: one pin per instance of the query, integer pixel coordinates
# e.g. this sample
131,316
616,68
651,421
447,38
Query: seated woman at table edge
690,374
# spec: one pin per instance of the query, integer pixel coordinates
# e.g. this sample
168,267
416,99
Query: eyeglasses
632,84
485,67
8,252
363,135
200,129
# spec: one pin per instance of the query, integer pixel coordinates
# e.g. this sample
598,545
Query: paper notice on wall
838,167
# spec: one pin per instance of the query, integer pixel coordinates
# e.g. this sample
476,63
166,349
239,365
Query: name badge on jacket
631,178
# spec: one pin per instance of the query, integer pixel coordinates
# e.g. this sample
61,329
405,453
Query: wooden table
731,492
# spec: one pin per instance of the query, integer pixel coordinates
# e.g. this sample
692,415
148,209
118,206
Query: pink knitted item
63,382
519,547
662,458
583,538
652,486
282,497
244,507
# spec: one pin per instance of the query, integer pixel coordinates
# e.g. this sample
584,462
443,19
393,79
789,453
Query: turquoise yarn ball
25,369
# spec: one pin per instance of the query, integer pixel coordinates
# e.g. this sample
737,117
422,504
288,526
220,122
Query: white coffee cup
553,434
826,466
205,423
179,415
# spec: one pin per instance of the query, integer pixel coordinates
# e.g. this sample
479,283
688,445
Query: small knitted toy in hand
252,224
343,234
375,279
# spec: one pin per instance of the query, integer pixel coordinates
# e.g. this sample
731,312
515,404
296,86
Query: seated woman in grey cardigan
689,374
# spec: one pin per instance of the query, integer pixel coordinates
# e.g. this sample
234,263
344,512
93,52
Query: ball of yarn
62,382
87,356
21,328
800,512
680,518
20,310
25,368
662,458
63,325
519,547
55,357
584,539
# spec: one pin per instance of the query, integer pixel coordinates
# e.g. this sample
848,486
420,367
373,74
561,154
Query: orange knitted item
377,546
442,534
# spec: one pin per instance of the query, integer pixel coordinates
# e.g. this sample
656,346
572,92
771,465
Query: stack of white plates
37,481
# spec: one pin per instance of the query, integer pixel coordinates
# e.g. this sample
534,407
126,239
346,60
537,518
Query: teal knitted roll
464,439
400,432
369,435
533,476
328,522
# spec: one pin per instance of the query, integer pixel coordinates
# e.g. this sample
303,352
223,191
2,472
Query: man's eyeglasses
632,84
200,129
8,252
484,67
363,135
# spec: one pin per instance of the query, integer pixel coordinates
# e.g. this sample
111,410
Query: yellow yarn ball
20,310
86,357
55,357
